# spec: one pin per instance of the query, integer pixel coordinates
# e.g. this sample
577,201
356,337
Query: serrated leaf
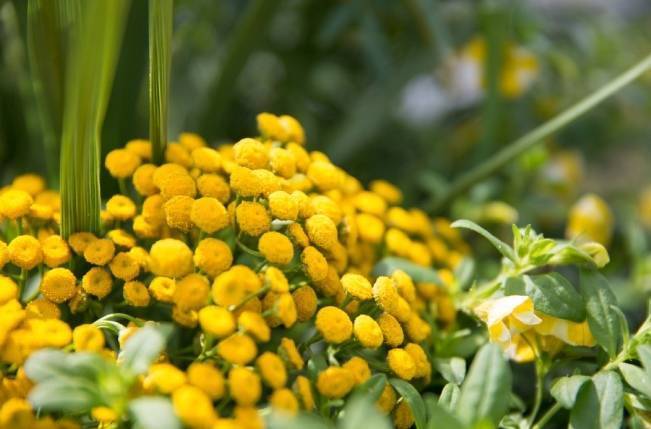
449,396
141,350
565,389
603,321
413,398
600,403
418,273
485,392
501,246
551,293
452,369
153,412
636,377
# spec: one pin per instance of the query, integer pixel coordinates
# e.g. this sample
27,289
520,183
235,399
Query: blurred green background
413,91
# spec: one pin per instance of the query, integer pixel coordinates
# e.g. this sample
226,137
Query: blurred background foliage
413,91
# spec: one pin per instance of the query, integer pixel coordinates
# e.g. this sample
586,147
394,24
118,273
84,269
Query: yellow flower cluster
260,251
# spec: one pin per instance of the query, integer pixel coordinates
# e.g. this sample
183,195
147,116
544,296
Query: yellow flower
405,285
163,288
386,294
244,385
185,317
306,301
252,218
136,294
387,399
191,292
370,202
253,323
298,235
43,309
164,377
386,190
401,363
31,183
40,211
8,290
209,215
371,228
208,378
250,153
391,330
282,162
276,280
314,264
276,248
238,349
232,286
178,154
121,238
322,205
178,185
143,180
330,286
191,141
79,241
334,324
295,130
58,285
322,231
4,254
124,266
283,309
246,417
206,159
572,333
194,407
272,370
97,281
367,331
357,286
359,368
325,176
139,147
16,413
402,416
283,206
423,366
303,387
121,207
214,186
178,212
284,400
88,338
417,329
213,256
216,321
25,252
121,163
171,258
335,382
99,252
290,353
590,219
15,203
270,126
55,251
104,415
50,332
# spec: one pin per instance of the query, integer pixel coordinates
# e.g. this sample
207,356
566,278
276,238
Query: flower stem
540,379
547,416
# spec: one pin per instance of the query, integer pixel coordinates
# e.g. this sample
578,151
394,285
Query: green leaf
636,377
485,393
552,294
153,412
464,273
501,246
439,416
64,394
141,350
452,369
644,355
160,63
31,289
413,398
373,387
603,321
565,389
301,421
361,412
600,403
449,396
419,274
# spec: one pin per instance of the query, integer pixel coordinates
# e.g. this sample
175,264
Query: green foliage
604,322
153,413
599,403
413,398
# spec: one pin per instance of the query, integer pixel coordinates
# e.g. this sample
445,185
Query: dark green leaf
413,398
452,369
565,389
600,403
449,396
603,321
501,246
153,412
419,274
552,294
636,377
485,393
141,350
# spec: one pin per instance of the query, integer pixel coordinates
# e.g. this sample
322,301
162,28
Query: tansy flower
178,154
417,329
40,211
295,130
306,301
121,163
331,285
143,180
163,288
121,238
99,252
271,127
121,207
209,215
42,308
314,264
250,153
25,252
359,368
245,387
193,407
139,147
232,286
98,282
55,251
252,218
275,280
191,292
16,412
401,363
300,154
208,378
387,399
213,256
391,330
178,185
253,324
15,203
171,258
405,285
31,183
590,219
185,317
164,377
168,172
357,286
272,370
8,289
322,231
282,162
50,332
371,203
325,176
367,331
322,205
276,248
4,254
88,338
58,285
371,228
214,186
206,159
152,210
402,416
335,382
191,141
283,206
386,294
333,324
298,235
136,294
124,266
303,388
284,400
423,366
290,353
178,212
237,349
282,308
216,321
79,241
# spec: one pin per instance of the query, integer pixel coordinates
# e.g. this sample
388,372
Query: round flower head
216,321
306,302
99,252
153,211
283,400
283,206
282,162
270,126
281,307
191,292
322,205
371,228
391,330
164,377
295,130
276,280
40,211
322,231
330,286
232,286
369,202
206,159
401,363
335,382
386,294
297,234
88,338
139,147
276,248
31,183
387,399
423,367
252,218
43,309
367,331
209,215
208,378
121,207
314,264
168,172
386,190
288,351
194,407
333,324
180,185
357,286
238,349
250,153
405,285
25,252
191,141
359,368
590,219
213,256
245,387
253,324
417,329
272,370
121,163
97,281
4,254
121,238
178,212
325,176
143,180
402,416
185,317
124,266
303,387
136,294
15,203
55,251
58,285
178,154
8,289
162,289
214,186
171,258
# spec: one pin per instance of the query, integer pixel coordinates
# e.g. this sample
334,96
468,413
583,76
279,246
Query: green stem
547,416
248,298
540,380
521,145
